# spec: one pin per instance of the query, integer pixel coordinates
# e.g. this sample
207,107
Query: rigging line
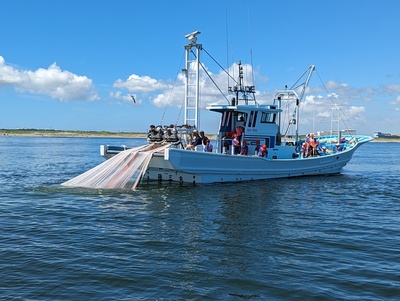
323,117
292,88
321,81
344,121
324,85
331,99
219,65
202,66
252,66
341,119
215,84
170,93
298,86
179,115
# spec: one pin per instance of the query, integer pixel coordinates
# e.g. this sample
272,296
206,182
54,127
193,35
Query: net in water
123,171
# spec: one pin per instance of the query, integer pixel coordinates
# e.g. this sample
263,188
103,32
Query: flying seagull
133,98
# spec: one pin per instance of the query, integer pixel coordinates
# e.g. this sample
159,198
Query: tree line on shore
52,132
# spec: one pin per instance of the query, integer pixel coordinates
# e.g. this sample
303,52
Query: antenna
227,41
192,37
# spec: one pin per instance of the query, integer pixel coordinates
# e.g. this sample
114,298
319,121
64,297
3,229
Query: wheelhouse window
268,117
241,117
226,122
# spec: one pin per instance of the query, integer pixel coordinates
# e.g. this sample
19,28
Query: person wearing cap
205,141
151,136
203,137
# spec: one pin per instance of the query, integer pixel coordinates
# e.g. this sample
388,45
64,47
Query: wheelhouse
254,124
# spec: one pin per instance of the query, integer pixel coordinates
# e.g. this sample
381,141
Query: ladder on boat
192,80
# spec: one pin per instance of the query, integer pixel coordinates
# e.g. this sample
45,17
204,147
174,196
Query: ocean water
314,238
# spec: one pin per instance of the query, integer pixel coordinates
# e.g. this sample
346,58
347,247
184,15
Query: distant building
384,135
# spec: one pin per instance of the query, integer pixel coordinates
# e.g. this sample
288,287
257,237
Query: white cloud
141,84
316,107
54,82
162,94
321,111
395,102
332,85
132,98
8,75
347,92
393,88
140,87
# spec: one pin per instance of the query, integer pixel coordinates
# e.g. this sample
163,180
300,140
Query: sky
73,65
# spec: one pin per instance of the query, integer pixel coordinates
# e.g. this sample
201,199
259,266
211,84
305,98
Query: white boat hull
200,167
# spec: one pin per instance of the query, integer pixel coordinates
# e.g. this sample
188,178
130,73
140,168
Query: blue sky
71,65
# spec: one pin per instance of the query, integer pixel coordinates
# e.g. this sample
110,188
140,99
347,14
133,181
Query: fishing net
123,171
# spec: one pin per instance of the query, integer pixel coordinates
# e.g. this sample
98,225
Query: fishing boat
245,127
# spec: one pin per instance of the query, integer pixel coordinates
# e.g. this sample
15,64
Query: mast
191,71
298,100
335,118
246,92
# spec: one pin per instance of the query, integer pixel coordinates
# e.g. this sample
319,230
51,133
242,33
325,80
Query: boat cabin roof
244,108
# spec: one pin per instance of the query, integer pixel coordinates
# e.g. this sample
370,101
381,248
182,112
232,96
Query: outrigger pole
300,99
191,71
289,95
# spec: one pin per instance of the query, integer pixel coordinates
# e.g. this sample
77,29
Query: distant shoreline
102,134
386,140
70,134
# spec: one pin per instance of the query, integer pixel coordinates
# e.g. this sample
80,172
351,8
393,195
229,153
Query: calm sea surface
315,238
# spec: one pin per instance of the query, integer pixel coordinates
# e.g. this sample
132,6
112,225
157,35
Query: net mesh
122,171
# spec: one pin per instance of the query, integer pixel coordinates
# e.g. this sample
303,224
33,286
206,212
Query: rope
342,113
220,66
209,76
170,93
